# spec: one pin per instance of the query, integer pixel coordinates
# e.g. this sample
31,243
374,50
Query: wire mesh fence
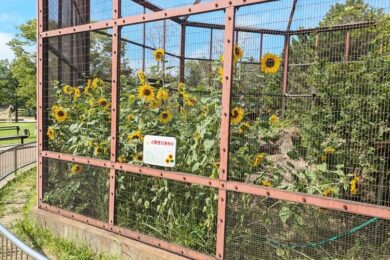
279,110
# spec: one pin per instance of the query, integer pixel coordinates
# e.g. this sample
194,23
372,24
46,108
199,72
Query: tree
23,67
8,86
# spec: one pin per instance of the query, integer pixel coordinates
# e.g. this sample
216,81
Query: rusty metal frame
222,183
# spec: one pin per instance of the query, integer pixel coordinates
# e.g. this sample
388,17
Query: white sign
159,150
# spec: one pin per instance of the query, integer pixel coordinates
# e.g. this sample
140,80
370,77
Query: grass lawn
22,125
23,187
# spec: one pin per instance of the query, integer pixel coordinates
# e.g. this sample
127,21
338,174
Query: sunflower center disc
60,113
147,92
270,63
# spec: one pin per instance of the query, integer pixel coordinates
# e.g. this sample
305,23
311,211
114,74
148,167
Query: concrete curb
99,240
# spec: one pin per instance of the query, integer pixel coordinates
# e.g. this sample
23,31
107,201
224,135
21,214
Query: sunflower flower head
270,63
238,53
76,93
146,92
165,117
130,117
103,103
328,192
244,127
60,114
162,94
266,183
353,185
190,101
51,133
76,169
135,136
259,158
181,88
141,76
156,103
121,159
68,90
273,119
137,157
97,83
159,54
220,74
98,150
236,115
329,150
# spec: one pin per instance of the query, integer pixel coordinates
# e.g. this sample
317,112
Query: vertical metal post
316,45
225,127
261,45
42,5
16,158
182,52
143,43
347,45
211,53
285,74
114,108
164,42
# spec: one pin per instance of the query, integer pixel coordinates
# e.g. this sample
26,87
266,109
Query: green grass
28,231
30,126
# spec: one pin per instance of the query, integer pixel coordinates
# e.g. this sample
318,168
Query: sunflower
190,101
130,117
270,63
98,150
76,169
222,58
329,150
159,54
121,159
328,192
181,87
136,135
220,74
91,102
60,114
266,183
237,115
273,119
51,133
97,82
165,117
141,76
259,159
146,92
354,185
54,108
67,89
137,157
244,127
238,53
76,92
103,103
162,94
156,103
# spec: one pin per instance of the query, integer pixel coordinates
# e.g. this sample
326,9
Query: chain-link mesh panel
262,228
77,96
78,188
165,94
182,214
65,13
316,122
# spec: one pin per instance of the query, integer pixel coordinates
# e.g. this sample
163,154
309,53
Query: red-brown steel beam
114,110
155,16
227,85
347,45
273,193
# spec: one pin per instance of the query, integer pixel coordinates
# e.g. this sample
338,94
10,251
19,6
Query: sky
12,14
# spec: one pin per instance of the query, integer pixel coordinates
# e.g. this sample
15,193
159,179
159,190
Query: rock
268,148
